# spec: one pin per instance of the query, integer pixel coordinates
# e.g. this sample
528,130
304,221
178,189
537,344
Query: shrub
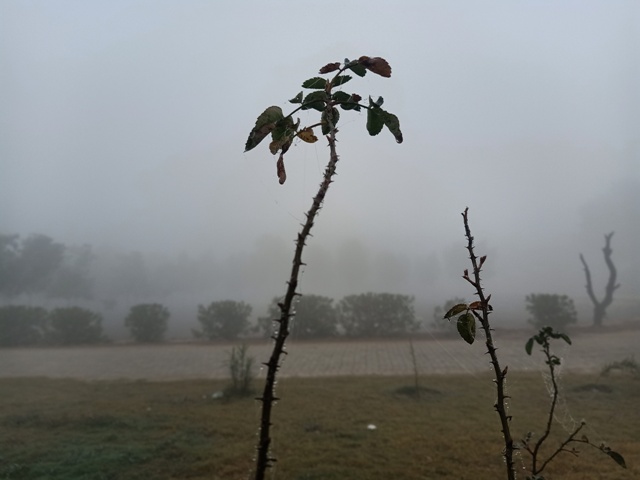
557,311
627,365
377,314
148,322
315,317
74,326
241,371
284,131
21,325
226,319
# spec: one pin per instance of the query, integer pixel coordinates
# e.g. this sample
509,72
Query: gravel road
589,353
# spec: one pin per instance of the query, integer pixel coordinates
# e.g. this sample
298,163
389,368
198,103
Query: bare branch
600,307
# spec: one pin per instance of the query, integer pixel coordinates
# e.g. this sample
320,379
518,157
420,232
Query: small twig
543,338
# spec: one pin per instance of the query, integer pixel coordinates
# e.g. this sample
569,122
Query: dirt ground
589,352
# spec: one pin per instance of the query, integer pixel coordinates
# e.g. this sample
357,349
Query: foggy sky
123,124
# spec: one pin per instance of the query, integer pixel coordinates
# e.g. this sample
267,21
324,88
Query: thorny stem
263,460
483,318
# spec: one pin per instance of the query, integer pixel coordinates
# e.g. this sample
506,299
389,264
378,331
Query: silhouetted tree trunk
600,307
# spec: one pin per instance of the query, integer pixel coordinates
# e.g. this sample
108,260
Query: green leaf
283,128
393,124
619,459
296,99
340,96
282,135
379,101
350,106
346,101
341,80
315,83
529,346
456,309
332,117
358,69
375,120
467,327
565,337
315,100
265,123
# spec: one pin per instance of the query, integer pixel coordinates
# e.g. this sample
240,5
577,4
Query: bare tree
600,307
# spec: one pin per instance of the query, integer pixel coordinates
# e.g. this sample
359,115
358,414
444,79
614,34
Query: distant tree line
367,315
315,316
22,325
355,316
38,265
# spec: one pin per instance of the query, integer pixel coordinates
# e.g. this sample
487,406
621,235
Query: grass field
68,429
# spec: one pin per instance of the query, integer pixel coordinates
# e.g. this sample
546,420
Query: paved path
589,353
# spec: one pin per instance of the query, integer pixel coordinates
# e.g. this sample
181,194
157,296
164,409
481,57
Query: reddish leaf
456,309
282,175
330,67
477,305
376,65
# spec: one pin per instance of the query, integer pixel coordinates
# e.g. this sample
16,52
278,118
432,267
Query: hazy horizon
123,126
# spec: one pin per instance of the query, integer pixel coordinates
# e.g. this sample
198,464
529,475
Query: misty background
123,123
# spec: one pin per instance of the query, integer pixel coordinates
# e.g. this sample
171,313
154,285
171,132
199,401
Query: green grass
64,429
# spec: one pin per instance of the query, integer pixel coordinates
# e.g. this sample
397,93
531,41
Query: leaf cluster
325,98
466,323
543,338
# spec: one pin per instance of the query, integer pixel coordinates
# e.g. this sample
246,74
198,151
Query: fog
123,124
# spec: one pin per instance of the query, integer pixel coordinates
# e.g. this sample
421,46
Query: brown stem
552,408
561,448
499,406
264,460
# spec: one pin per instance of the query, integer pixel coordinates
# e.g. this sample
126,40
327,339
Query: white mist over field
123,125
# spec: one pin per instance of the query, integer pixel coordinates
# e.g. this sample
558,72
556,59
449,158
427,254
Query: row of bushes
547,310
21,325
364,315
